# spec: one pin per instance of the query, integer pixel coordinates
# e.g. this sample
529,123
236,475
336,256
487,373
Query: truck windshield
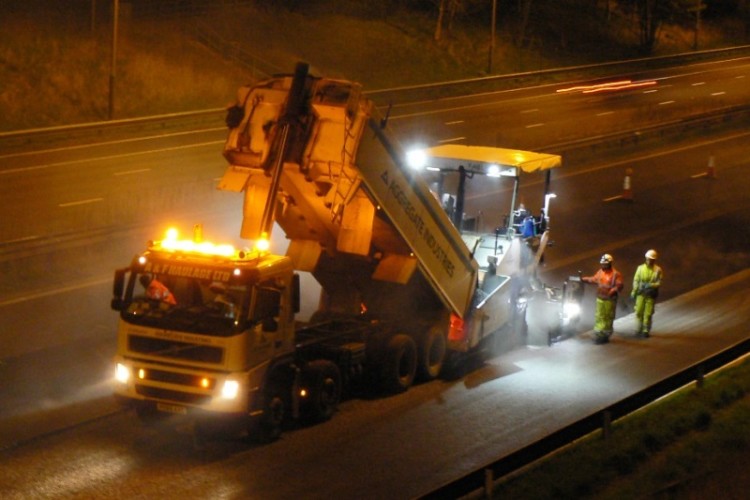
185,304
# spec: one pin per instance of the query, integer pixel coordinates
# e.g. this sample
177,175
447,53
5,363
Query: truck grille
170,395
195,381
173,349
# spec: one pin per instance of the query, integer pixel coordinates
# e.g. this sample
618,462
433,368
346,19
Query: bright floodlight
571,310
548,197
493,171
416,159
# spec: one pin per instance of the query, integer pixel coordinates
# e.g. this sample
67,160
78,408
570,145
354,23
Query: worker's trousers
644,309
604,316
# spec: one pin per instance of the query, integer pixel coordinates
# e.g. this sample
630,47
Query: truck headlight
122,373
230,389
571,310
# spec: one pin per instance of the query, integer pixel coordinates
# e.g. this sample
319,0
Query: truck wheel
400,363
269,427
432,349
322,379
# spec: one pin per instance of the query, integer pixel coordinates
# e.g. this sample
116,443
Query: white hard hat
606,259
651,254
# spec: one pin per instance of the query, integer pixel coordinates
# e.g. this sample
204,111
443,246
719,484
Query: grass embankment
55,71
692,444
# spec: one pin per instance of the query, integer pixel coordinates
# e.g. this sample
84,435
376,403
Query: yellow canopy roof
527,161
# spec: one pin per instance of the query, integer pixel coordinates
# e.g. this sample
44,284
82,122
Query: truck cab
208,344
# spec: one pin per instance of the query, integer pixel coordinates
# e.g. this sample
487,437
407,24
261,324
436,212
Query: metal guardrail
484,477
18,139
398,95
684,128
384,97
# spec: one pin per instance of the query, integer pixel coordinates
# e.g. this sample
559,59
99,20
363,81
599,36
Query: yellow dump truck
402,291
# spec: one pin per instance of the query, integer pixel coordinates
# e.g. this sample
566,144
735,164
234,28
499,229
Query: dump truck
211,331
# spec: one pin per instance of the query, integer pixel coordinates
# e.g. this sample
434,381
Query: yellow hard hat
651,254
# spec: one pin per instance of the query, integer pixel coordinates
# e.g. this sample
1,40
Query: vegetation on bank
56,58
693,444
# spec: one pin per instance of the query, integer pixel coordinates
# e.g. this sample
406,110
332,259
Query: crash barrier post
606,424
489,483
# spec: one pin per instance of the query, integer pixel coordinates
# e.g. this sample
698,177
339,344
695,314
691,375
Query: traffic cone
710,172
627,191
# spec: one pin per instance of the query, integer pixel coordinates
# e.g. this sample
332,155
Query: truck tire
322,379
432,349
269,427
399,364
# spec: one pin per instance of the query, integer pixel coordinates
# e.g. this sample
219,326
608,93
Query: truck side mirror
270,325
118,287
267,307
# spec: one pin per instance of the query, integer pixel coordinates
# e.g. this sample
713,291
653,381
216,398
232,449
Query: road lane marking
455,122
605,113
715,94
47,293
131,172
110,143
526,111
109,157
23,239
564,262
80,202
697,84
666,102
534,125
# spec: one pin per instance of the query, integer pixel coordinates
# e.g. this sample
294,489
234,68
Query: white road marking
109,157
109,143
55,291
80,202
131,172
